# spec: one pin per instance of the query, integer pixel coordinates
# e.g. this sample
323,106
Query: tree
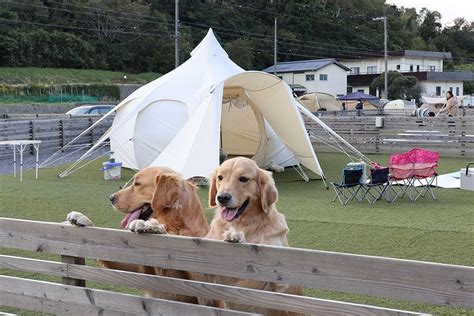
399,86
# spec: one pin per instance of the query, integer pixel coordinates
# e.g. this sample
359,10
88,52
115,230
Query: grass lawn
439,231
30,75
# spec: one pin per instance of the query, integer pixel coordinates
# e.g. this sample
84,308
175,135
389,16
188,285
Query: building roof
305,65
400,53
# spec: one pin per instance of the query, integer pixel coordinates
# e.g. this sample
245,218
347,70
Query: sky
448,9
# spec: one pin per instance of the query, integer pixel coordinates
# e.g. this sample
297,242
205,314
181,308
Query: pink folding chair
416,169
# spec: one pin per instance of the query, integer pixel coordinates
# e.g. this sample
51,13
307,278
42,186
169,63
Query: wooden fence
449,136
54,132
442,284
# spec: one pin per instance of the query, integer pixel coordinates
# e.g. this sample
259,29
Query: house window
360,90
438,91
432,68
417,68
398,67
323,77
372,69
349,90
411,68
309,77
457,91
355,70
451,89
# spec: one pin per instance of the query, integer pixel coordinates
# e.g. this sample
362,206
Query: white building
317,75
426,66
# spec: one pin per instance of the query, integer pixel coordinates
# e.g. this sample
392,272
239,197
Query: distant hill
54,76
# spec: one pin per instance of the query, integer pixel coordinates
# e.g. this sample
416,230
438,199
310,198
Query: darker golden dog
158,201
244,197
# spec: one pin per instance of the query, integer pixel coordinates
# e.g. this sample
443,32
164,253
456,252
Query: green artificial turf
438,231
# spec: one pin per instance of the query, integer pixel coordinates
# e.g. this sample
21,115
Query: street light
384,18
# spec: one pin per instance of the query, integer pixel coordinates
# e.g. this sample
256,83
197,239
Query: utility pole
176,33
385,54
275,51
275,40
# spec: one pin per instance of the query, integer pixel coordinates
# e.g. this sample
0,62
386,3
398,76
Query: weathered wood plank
86,299
68,280
251,297
427,282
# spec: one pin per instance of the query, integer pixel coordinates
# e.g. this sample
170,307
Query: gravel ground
6,163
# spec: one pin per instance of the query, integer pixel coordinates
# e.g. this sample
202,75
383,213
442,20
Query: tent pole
311,116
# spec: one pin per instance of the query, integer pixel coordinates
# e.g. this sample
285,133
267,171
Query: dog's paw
151,226
78,219
234,236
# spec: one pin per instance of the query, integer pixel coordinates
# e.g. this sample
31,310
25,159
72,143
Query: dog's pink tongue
228,214
130,217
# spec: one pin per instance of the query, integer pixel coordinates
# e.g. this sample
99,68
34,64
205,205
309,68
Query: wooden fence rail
441,284
54,133
449,136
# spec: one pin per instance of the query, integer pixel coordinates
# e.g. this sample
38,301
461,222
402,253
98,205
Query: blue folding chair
351,184
378,185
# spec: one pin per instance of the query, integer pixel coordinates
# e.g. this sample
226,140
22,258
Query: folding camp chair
378,185
350,185
416,170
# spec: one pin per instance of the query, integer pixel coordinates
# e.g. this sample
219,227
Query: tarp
357,96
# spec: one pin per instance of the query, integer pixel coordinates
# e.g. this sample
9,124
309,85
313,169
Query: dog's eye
220,178
243,179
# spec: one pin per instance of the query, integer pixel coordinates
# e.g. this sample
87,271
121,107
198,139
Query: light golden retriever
244,197
158,201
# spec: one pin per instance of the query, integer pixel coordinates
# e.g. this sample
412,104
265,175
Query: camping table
21,145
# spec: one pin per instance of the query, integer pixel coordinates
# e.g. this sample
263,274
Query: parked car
91,110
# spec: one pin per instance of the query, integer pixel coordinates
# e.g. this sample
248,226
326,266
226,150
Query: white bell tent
183,119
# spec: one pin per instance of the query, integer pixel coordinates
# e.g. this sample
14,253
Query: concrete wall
35,108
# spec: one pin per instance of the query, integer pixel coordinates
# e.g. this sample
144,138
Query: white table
21,145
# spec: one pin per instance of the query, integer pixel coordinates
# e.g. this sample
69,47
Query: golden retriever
244,197
158,201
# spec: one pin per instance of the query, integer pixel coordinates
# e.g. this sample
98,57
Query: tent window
323,77
309,77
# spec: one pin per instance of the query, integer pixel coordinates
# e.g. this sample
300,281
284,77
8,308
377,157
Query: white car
91,110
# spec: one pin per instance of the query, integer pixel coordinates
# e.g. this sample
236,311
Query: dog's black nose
112,198
224,198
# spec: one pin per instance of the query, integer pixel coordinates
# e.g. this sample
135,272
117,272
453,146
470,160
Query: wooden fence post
32,134
73,260
61,131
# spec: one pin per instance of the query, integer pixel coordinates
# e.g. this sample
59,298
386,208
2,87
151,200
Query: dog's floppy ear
212,190
168,189
268,191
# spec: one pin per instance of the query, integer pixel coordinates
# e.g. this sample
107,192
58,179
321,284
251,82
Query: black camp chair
378,185
350,185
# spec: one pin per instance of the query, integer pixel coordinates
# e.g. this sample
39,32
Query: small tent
350,100
183,119
399,105
317,101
